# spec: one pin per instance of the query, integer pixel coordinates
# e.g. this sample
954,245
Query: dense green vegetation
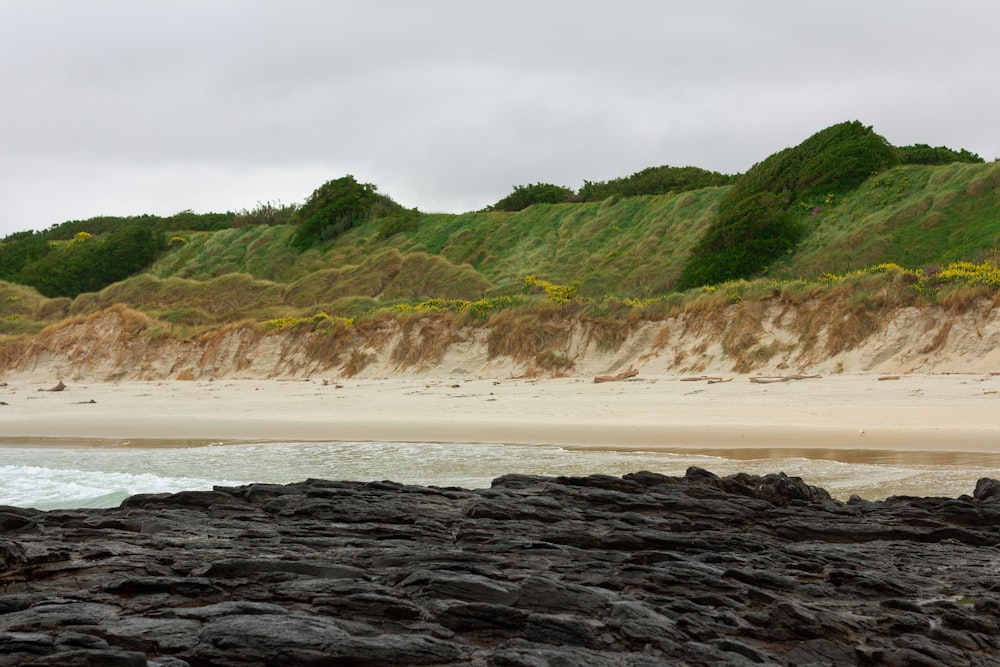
924,154
613,247
654,181
916,216
757,222
183,221
524,196
337,206
87,255
841,201
88,264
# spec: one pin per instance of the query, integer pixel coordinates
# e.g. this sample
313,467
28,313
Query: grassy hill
612,262
915,216
634,247
919,217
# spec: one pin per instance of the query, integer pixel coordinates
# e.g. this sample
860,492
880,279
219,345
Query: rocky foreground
639,570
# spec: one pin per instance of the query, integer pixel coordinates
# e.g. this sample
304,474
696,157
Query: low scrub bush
967,273
524,196
310,323
755,224
480,310
924,154
337,206
356,362
267,213
398,223
557,293
654,181
554,362
87,264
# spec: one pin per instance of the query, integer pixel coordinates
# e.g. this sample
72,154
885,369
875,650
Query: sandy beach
930,413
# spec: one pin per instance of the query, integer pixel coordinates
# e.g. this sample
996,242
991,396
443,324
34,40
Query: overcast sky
120,107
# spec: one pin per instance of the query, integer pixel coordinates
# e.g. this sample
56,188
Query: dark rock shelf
638,570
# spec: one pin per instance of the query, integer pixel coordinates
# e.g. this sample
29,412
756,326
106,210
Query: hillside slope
915,216
874,280
633,246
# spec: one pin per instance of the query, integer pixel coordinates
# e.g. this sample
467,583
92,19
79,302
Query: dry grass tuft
745,327
369,279
132,322
959,299
554,362
53,309
326,340
424,338
221,297
607,334
704,314
356,362
850,327
523,334
422,275
939,339
662,338
12,351
610,322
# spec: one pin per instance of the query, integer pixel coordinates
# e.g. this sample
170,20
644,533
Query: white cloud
118,107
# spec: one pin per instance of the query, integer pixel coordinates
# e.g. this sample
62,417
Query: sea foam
54,476
60,488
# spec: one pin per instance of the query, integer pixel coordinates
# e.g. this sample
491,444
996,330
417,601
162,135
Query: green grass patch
914,216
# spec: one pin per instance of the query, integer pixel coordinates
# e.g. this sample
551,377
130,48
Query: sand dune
121,344
244,383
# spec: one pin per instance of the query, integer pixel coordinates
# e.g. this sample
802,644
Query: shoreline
865,456
916,413
593,437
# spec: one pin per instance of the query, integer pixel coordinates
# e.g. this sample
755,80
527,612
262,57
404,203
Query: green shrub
524,196
924,154
195,222
337,206
654,181
270,214
184,221
835,160
755,225
89,264
759,230
17,251
399,223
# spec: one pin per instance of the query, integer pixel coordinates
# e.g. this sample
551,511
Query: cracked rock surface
638,570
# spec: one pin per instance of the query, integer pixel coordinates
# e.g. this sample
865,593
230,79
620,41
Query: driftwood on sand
767,379
624,375
58,387
710,379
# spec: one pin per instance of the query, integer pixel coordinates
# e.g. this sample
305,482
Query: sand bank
912,413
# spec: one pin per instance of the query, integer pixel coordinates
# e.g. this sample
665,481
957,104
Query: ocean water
57,474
